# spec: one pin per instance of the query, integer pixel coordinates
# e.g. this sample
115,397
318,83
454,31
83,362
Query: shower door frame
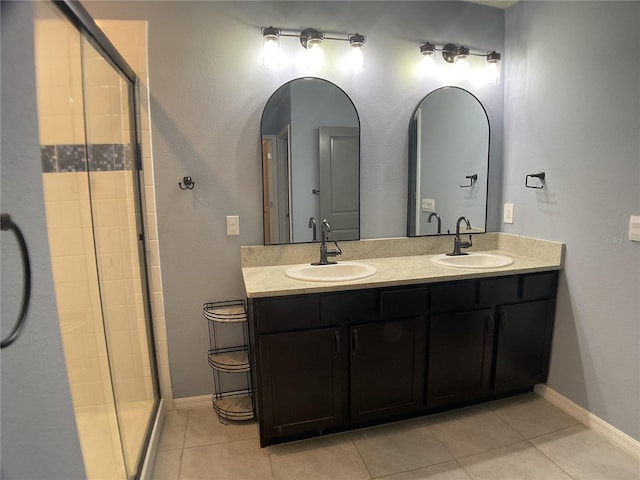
82,20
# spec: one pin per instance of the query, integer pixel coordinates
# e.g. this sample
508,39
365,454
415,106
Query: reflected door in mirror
339,181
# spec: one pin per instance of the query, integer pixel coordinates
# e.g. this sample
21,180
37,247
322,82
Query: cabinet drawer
498,290
539,285
447,297
350,307
288,313
403,303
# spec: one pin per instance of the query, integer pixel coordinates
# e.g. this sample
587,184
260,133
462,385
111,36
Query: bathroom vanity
413,339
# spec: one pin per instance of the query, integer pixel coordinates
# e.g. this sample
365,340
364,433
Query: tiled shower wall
64,160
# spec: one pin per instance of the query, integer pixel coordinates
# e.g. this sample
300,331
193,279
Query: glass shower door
119,248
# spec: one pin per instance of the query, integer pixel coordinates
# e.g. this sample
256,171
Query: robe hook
188,183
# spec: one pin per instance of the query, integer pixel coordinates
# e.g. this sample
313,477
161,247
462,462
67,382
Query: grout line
550,459
180,463
360,455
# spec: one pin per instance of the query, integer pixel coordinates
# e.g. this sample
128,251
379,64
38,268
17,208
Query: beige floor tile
443,471
472,430
530,415
204,428
399,447
586,454
241,460
521,461
167,465
175,423
326,458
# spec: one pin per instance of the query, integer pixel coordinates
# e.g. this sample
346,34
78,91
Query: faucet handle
326,230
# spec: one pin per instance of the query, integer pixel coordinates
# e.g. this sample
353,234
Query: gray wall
208,89
575,114
39,437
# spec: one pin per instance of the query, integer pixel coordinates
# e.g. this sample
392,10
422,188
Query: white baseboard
590,420
186,403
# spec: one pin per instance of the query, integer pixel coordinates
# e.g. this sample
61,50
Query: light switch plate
428,205
508,213
233,225
634,228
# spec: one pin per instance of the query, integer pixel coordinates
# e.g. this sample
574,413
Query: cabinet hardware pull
337,337
503,320
489,322
355,340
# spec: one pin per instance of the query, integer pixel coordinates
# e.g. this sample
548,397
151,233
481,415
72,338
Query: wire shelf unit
230,400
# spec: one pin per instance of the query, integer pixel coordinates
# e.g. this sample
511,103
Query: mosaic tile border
104,157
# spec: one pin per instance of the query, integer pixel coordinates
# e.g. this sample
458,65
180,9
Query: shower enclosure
91,172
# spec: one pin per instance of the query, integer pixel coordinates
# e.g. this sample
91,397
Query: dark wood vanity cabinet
338,360
489,337
459,357
303,381
387,369
524,344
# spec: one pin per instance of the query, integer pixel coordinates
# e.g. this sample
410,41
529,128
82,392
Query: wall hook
539,175
188,183
472,179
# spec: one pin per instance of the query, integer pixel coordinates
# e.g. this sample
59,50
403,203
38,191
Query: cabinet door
459,357
303,381
387,368
524,344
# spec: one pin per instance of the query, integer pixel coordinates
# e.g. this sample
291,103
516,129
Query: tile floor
523,437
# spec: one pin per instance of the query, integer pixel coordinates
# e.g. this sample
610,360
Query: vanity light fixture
355,59
492,69
427,66
461,62
459,56
271,55
312,41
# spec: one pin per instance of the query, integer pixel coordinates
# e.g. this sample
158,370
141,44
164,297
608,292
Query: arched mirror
448,163
310,163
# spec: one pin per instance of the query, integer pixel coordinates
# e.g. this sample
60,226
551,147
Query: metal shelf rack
235,403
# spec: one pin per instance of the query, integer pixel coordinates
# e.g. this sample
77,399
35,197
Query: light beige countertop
406,262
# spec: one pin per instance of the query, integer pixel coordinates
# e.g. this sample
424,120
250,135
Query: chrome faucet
457,243
313,224
324,252
434,214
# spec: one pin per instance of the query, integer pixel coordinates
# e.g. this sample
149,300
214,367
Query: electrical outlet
508,213
233,225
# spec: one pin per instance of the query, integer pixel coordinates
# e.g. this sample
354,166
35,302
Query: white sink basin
473,260
336,272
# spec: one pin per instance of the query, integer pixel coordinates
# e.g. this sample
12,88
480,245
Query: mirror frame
262,118
411,201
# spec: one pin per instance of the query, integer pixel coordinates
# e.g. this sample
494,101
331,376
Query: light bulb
314,56
461,62
427,66
492,69
355,58
271,56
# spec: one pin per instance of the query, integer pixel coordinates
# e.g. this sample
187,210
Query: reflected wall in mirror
448,163
310,163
